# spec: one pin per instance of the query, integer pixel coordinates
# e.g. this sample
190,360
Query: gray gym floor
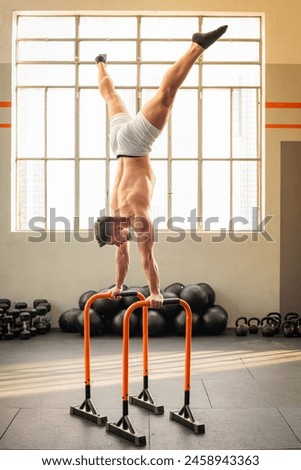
247,392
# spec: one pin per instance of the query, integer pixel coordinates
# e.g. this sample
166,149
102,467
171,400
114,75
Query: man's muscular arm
122,261
145,238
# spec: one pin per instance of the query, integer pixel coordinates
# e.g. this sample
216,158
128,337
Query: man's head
112,230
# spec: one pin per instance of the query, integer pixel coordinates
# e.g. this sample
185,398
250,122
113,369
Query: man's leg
158,108
115,106
107,89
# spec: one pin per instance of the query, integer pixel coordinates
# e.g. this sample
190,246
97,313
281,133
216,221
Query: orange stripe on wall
5,104
5,126
283,126
275,104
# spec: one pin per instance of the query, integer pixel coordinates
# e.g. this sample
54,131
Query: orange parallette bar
188,334
126,339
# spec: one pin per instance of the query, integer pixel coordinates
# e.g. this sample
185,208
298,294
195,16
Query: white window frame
200,160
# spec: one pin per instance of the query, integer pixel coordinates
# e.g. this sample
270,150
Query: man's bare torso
133,187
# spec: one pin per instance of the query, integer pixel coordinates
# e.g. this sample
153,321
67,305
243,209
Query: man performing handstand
131,141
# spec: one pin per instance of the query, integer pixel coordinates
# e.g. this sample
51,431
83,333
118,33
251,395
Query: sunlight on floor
52,375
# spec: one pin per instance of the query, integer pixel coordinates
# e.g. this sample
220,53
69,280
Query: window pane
30,197
158,210
46,26
244,194
160,147
30,123
185,124
233,51
54,51
92,191
184,190
122,75
243,28
107,27
216,195
158,51
60,123
231,75
151,75
113,168
158,27
60,195
216,124
92,124
244,127
216,113
128,96
35,75
124,51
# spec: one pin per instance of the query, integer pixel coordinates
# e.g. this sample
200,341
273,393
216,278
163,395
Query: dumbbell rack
124,427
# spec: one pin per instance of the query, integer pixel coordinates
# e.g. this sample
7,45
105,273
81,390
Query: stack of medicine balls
106,315
24,322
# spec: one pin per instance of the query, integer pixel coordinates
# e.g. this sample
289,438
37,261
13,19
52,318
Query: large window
208,158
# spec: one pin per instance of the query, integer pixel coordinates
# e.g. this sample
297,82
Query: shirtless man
131,141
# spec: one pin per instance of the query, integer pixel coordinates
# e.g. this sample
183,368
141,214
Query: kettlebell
277,319
288,327
267,326
298,327
241,328
291,316
253,323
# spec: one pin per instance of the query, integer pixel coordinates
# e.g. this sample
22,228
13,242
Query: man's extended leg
115,106
107,89
158,108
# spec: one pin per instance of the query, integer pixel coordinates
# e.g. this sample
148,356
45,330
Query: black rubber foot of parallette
88,415
194,426
157,409
139,441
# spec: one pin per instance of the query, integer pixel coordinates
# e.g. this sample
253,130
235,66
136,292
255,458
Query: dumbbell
46,319
8,334
1,322
37,302
16,328
21,305
40,323
25,319
44,302
5,304
32,314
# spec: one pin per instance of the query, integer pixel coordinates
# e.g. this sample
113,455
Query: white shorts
132,137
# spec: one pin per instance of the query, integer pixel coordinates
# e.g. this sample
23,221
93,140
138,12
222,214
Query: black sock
206,39
101,58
